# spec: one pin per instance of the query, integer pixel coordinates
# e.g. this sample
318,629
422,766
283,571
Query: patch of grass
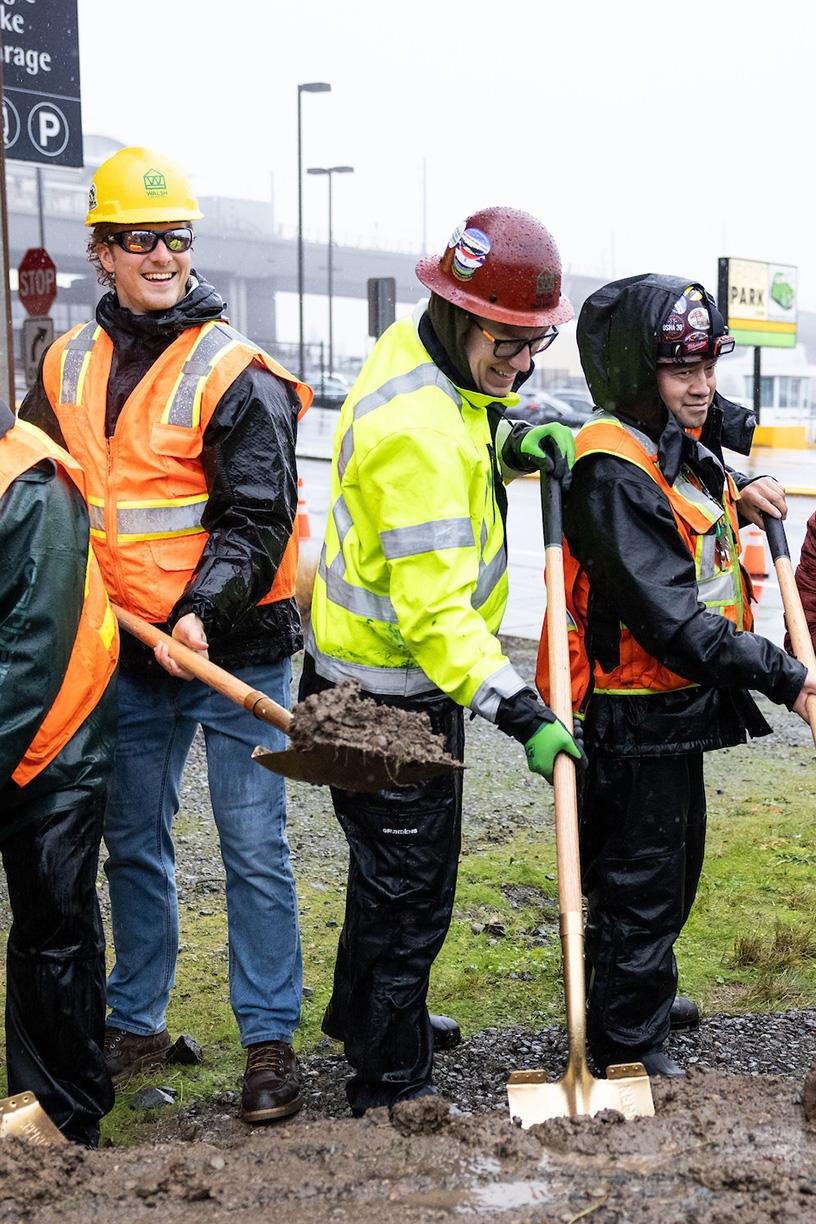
748,945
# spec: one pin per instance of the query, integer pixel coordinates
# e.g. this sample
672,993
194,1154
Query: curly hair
99,234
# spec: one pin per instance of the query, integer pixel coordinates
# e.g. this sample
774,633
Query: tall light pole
329,171
309,87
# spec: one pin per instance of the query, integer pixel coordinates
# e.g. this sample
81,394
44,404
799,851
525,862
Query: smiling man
662,652
410,593
186,432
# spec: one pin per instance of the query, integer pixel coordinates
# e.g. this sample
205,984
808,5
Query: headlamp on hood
693,330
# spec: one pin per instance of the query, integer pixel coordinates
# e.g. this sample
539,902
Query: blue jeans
157,723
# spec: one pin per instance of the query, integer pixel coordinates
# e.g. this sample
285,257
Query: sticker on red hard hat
674,326
695,342
699,318
470,250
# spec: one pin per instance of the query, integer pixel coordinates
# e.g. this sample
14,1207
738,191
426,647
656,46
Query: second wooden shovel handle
251,699
795,619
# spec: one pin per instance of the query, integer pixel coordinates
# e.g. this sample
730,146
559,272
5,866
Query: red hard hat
503,265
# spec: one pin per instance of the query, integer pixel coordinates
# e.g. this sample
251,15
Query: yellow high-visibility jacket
412,582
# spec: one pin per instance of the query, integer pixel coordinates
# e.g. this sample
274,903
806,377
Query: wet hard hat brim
142,216
431,275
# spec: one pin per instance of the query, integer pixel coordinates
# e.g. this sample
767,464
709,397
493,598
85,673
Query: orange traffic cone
303,525
753,553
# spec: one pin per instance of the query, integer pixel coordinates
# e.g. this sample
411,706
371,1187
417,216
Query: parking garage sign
42,118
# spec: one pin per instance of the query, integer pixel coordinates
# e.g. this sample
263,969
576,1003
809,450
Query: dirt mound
342,717
720,1147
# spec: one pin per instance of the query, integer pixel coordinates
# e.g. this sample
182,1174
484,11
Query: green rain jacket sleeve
43,553
417,498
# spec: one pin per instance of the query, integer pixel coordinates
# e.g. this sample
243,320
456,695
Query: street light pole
308,87
329,171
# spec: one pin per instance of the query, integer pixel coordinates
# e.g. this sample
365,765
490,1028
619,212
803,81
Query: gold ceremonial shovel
23,1117
351,768
626,1088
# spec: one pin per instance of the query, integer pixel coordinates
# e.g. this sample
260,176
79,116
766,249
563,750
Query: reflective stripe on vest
404,541
96,645
184,406
75,359
155,451
425,375
721,591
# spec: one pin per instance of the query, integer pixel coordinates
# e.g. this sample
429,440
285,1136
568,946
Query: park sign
760,300
39,45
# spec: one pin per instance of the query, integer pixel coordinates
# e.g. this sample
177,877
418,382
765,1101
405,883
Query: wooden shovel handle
564,778
792,603
254,700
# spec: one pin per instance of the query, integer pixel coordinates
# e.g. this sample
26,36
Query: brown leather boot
126,1053
272,1085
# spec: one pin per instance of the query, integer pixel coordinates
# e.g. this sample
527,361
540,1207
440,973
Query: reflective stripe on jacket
709,530
146,485
96,645
412,581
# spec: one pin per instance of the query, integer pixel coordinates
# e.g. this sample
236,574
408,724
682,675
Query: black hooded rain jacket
620,527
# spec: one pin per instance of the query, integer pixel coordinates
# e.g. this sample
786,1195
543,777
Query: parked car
577,398
541,408
330,390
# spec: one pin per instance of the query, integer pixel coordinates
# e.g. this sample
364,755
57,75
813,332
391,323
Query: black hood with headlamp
621,329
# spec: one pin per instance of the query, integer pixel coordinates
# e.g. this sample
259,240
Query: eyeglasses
512,348
142,242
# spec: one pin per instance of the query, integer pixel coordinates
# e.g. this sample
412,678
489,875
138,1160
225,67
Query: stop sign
37,281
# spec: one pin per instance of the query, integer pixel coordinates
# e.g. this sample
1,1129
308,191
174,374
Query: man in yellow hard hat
186,432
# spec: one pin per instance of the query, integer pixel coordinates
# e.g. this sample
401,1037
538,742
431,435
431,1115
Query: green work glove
544,746
550,447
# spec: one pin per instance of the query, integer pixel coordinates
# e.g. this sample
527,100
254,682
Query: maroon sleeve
806,579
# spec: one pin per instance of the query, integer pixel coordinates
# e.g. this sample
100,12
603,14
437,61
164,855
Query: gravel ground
734,1141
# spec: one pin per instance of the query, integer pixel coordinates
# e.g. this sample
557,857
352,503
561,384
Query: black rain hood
618,330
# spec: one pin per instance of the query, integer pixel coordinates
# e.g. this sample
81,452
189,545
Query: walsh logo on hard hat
470,249
155,183
545,283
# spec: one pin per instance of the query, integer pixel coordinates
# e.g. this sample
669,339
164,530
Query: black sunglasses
512,348
142,242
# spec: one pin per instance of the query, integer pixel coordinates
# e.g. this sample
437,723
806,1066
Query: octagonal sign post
37,281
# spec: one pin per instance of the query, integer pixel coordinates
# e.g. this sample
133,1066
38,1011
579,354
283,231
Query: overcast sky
650,135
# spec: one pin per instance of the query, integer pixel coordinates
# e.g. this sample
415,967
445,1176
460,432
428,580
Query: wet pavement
525,610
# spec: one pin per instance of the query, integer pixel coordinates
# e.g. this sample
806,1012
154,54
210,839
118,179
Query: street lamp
329,171
309,87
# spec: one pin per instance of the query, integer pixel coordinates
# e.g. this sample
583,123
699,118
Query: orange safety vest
722,586
96,645
146,484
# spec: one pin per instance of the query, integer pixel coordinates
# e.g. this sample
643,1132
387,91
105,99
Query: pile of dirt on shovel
342,717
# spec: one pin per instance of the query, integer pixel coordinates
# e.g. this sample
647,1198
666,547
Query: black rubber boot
684,1013
657,1062
446,1032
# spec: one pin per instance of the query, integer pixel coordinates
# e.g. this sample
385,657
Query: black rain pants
403,860
643,824
55,990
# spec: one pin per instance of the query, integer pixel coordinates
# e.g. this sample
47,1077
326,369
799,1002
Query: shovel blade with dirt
626,1088
23,1117
326,762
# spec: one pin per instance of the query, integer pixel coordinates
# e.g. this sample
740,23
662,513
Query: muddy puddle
721,1148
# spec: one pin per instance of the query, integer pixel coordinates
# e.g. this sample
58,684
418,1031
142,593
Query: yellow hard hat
137,185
